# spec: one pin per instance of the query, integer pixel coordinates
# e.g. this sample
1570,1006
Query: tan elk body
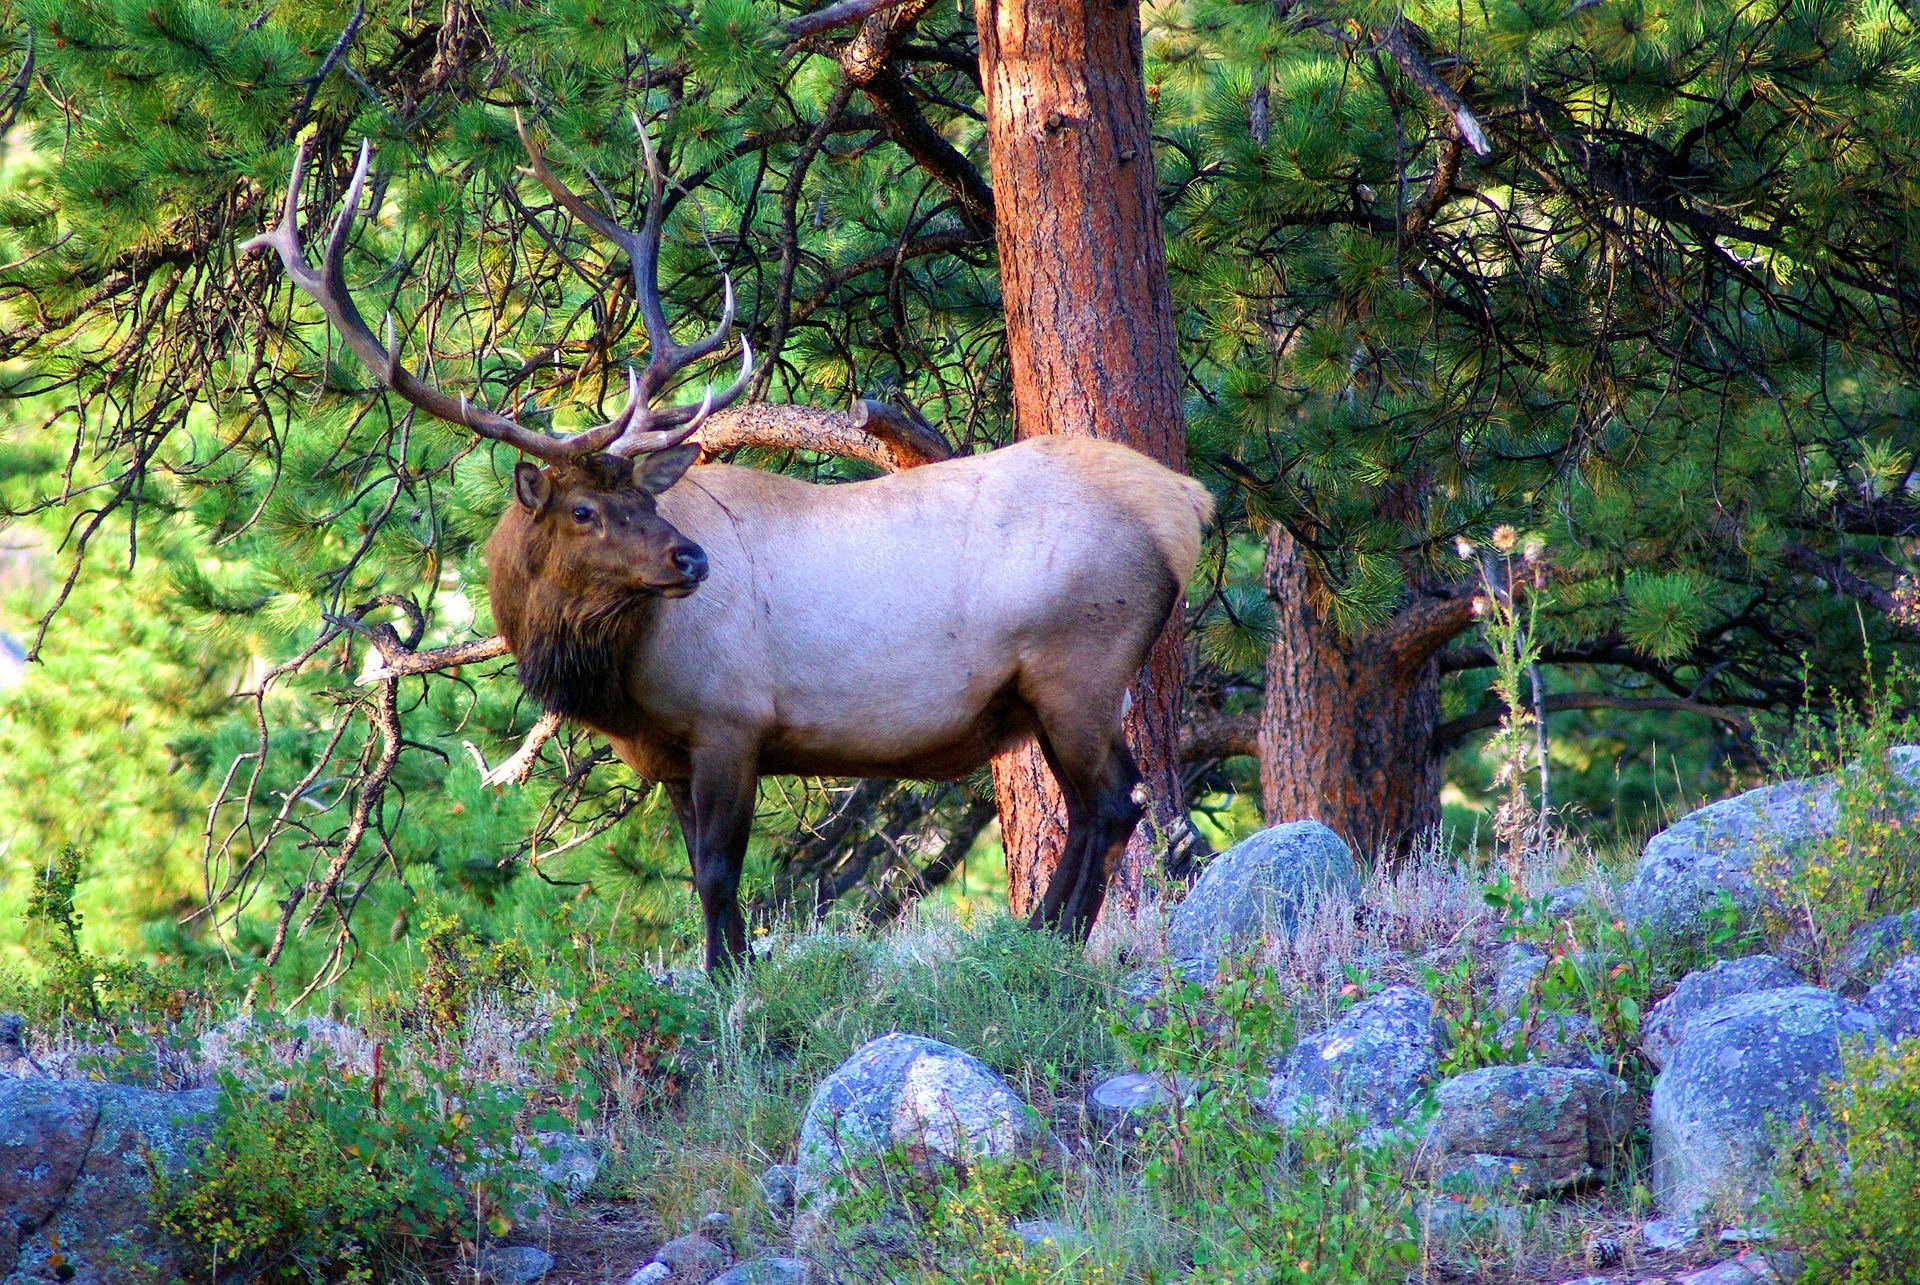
719,623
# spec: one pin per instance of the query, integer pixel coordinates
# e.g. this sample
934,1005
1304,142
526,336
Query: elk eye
583,514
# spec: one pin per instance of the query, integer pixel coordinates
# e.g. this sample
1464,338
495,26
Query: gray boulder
1743,1072
776,1191
1125,1102
514,1265
76,1166
1895,1000
1534,1130
1260,886
1873,946
909,1097
1377,1061
767,1271
1699,991
1713,849
688,1260
575,1164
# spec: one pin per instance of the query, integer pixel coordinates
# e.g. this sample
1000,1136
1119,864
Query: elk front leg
716,820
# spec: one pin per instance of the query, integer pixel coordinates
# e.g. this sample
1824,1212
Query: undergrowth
1848,1198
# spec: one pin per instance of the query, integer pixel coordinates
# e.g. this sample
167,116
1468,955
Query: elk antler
636,429
651,428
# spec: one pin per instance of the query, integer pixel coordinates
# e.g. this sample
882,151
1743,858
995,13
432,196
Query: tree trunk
1347,724
1090,337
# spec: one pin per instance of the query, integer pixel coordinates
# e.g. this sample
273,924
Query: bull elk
717,624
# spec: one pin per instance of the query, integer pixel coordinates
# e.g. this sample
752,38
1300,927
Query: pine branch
843,14
1454,730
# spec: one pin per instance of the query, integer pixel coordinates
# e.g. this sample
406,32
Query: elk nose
690,562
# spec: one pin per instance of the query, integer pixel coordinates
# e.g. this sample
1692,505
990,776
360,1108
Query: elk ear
658,472
532,487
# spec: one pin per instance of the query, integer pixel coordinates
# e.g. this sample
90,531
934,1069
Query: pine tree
1632,280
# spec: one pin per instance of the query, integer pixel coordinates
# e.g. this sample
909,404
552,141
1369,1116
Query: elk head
583,541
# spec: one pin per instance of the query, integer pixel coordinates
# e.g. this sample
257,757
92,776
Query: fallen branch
1220,736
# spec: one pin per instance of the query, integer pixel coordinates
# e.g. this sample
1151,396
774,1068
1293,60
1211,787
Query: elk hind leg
1097,778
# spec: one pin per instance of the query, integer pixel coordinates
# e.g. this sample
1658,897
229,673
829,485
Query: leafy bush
1597,966
76,985
330,1175
1308,1202
1848,1198
458,966
1869,863
1474,1022
626,1029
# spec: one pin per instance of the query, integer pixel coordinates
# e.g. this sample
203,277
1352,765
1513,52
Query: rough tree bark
1090,336
1347,725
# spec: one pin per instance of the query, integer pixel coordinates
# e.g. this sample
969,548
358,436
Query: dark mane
577,668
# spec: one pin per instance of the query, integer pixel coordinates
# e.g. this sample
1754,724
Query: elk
719,623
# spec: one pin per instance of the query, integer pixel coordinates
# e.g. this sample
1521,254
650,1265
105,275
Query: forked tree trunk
1347,724
1090,336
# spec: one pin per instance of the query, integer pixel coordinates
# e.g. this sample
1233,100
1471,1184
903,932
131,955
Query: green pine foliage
1658,325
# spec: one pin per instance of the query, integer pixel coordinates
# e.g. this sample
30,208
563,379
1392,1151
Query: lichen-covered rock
1699,991
767,1271
692,1259
1520,964
1895,1000
1874,947
574,1166
76,1170
1260,886
1556,1039
1713,849
1050,1233
1742,1071
776,1191
905,1096
514,1265
1377,1061
1125,1102
1532,1129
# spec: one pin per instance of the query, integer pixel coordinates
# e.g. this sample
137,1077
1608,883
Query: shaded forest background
1605,310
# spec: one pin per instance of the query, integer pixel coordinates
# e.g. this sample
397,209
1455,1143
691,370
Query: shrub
459,966
1868,864
1848,1197
1309,1202
330,1175
76,985
1597,966
627,1031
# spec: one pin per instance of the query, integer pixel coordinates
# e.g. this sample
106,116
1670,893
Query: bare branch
824,432
1220,736
843,14
514,770
1394,40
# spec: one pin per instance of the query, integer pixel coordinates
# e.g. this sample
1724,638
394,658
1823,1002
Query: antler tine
648,429
328,288
659,433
